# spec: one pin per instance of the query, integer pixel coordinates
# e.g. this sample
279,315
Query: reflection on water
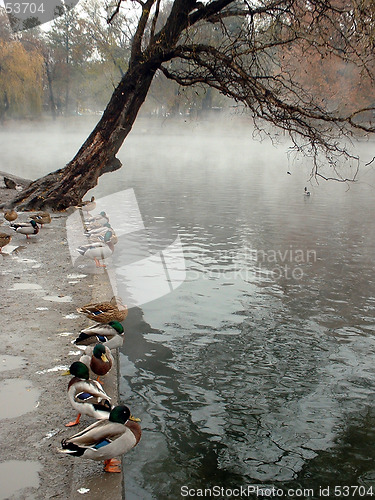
252,369
27,477
11,362
258,369
17,396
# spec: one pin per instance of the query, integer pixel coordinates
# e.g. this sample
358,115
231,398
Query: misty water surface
259,368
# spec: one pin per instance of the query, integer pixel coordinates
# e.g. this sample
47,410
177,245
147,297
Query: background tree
69,49
111,41
21,74
239,62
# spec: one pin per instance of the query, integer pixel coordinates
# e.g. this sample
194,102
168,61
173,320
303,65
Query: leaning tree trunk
65,187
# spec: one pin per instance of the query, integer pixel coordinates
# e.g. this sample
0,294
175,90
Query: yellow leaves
21,73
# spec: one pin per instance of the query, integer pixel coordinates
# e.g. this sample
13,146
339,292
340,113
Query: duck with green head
85,395
99,359
97,220
26,228
95,235
99,231
106,439
98,250
110,334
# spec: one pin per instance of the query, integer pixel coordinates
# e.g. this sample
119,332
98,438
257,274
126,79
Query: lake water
259,369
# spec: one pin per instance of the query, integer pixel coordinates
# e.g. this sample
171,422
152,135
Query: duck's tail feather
71,448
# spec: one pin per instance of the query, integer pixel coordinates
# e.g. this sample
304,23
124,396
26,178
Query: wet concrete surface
38,321
27,477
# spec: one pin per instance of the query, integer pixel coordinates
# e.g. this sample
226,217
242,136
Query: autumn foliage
21,75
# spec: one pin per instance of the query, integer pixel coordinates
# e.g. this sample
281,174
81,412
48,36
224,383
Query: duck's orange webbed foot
112,465
71,424
98,264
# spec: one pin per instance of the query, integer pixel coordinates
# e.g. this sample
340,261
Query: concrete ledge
38,321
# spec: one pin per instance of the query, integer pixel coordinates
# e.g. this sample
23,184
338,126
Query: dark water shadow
158,388
350,462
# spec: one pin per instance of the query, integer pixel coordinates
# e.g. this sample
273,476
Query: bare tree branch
138,37
154,21
257,52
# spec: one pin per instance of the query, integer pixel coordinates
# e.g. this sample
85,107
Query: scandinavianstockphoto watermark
267,492
140,276
249,264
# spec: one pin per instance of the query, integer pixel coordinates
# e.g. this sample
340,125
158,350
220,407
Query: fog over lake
259,367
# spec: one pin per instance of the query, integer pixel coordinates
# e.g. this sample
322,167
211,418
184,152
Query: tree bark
66,187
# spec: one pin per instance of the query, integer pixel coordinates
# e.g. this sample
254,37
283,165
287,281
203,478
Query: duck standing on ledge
85,395
96,221
111,335
106,439
104,312
98,250
26,228
99,359
88,205
10,215
42,218
4,240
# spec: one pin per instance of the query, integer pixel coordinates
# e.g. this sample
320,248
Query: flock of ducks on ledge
26,228
115,431
101,236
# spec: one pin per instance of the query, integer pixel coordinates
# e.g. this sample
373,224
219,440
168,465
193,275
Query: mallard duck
100,230
10,215
4,240
42,218
99,359
85,395
104,312
111,335
106,439
97,220
98,250
98,238
307,193
26,228
88,206
98,233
